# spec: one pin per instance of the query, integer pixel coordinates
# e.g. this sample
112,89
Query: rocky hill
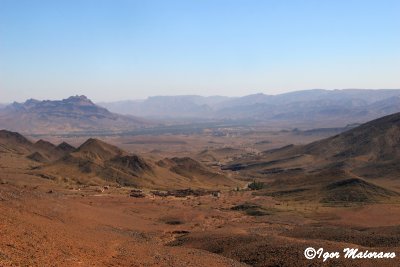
96,162
41,151
364,160
74,114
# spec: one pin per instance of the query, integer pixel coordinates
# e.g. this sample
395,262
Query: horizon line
199,95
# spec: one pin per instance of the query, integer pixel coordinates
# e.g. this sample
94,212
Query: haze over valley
308,105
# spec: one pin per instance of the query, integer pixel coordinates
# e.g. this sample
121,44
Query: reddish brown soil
86,228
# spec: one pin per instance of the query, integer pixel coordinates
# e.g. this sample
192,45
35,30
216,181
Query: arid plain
50,217
82,186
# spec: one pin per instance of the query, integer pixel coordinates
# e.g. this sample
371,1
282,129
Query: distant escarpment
71,115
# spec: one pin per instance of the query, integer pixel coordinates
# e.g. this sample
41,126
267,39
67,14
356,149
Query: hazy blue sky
115,49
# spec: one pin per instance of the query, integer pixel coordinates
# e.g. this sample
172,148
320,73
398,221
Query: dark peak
356,190
64,146
97,146
13,135
132,162
348,182
3,132
41,141
44,144
361,140
92,141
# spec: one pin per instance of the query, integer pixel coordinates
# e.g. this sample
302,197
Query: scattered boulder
100,190
160,193
137,193
216,194
186,193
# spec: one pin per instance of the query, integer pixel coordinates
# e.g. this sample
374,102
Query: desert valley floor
67,205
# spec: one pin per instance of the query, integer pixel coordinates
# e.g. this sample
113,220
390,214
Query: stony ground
45,225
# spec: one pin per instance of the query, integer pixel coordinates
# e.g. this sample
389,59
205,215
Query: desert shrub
173,222
256,185
245,206
252,209
256,212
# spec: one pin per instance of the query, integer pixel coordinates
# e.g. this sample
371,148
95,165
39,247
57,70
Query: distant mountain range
350,105
182,106
74,114
304,109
